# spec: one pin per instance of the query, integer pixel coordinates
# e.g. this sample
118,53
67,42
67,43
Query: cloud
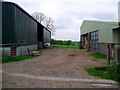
69,14
67,34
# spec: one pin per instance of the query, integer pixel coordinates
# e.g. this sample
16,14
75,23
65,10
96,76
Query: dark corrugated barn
44,36
0,24
18,27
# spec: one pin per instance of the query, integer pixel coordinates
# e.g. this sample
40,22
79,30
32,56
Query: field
64,46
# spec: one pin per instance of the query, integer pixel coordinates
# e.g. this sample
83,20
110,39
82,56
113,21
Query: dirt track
54,68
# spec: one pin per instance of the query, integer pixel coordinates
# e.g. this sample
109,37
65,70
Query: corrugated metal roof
98,22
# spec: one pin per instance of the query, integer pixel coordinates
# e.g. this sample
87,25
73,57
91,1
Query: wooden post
108,53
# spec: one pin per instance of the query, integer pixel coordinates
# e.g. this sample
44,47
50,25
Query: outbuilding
43,37
96,35
21,33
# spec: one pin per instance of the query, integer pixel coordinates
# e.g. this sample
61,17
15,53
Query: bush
115,68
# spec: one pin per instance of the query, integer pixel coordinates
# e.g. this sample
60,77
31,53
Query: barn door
94,41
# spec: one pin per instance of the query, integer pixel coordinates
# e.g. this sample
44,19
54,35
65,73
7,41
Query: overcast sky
69,14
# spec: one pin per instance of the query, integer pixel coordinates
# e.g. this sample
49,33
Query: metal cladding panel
47,35
0,22
8,23
25,28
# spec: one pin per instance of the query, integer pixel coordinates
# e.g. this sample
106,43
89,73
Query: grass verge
98,56
111,72
64,46
6,59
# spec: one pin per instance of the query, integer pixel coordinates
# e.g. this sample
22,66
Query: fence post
108,53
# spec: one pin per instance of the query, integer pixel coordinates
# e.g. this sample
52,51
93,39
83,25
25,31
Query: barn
43,37
20,31
96,35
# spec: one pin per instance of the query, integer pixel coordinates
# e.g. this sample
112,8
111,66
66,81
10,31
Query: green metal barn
21,31
95,35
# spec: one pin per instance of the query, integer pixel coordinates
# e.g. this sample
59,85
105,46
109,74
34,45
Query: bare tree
49,22
39,16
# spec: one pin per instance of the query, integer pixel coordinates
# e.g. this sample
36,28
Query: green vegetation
98,56
111,72
64,42
15,58
6,59
60,42
64,46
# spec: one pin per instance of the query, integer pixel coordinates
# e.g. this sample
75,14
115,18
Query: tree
48,21
49,24
38,16
69,42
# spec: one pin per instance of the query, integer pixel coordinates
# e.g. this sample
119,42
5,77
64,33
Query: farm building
0,23
44,36
20,31
95,35
116,55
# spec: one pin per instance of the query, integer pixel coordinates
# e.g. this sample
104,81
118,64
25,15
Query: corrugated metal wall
43,34
0,22
17,25
103,48
8,23
25,28
47,36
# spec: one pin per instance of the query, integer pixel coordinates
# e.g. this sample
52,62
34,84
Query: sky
69,15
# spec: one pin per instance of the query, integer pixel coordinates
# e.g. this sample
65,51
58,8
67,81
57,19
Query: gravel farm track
54,68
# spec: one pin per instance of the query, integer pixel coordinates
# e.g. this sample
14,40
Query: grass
105,72
6,59
64,46
98,56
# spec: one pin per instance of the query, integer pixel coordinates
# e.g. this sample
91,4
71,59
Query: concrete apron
93,82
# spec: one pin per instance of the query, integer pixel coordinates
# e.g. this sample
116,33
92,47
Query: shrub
115,68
